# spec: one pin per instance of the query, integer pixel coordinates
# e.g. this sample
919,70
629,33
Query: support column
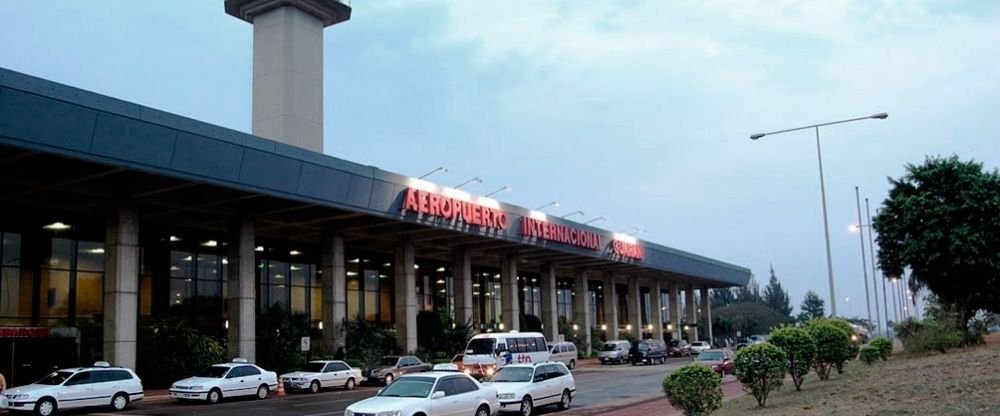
121,283
462,274
692,317
406,298
511,307
334,286
242,291
581,308
656,309
634,306
675,309
610,306
550,317
706,311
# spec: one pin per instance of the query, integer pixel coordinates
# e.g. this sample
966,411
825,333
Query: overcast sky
638,111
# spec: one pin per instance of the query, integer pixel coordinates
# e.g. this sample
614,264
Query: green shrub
884,347
279,335
933,336
368,341
832,345
869,354
800,348
695,389
171,351
907,328
853,347
761,369
596,344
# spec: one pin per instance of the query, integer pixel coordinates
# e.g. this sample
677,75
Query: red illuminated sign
453,209
628,250
25,332
559,233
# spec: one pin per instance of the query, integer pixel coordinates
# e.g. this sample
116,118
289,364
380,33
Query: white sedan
523,387
238,378
699,346
321,374
436,393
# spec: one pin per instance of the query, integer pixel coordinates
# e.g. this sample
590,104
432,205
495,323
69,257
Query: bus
486,353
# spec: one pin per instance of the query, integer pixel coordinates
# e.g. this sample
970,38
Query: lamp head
880,116
757,136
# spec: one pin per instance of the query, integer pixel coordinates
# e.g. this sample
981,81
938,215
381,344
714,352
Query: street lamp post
871,250
822,190
864,265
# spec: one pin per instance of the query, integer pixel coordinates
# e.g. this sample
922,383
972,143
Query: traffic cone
281,387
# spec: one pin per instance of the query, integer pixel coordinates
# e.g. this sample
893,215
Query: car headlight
19,396
196,388
389,413
505,396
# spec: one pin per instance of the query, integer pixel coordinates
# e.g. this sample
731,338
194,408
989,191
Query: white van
564,352
489,352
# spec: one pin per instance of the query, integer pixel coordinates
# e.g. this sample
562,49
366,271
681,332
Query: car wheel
564,401
483,411
45,407
119,402
572,364
263,391
214,396
527,406
314,387
350,384
388,379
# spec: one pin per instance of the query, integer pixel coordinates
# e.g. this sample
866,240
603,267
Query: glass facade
596,292
530,294
370,278
486,303
564,298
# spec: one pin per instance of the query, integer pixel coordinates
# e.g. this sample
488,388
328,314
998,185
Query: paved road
596,386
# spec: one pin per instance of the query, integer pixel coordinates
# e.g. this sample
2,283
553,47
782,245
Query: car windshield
481,346
313,367
409,387
710,356
55,378
643,346
214,372
610,347
389,361
513,375
675,343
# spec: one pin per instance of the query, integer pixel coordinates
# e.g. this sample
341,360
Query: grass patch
961,382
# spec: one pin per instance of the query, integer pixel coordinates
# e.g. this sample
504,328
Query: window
336,367
82,377
447,385
486,302
464,385
196,281
249,370
540,344
369,287
564,298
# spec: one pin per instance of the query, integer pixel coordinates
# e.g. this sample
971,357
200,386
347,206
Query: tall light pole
864,265
822,191
871,250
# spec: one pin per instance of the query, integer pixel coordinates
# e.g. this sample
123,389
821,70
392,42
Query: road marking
323,402
327,413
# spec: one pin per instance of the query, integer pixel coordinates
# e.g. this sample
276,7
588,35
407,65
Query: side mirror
437,395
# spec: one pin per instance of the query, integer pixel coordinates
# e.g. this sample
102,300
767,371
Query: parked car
722,361
699,346
321,374
679,348
614,352
430,393
648,351
392,367
238,378
100,385
525,387
563,352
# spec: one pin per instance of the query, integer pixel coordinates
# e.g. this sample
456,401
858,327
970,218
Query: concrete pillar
692,314
550,312
288,66
462,275
581,308
334,286
406,298
509,299
656,309
675,309
634,306
611,306
242,277
121,284
706,311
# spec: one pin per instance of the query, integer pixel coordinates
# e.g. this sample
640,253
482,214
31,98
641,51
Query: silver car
614,352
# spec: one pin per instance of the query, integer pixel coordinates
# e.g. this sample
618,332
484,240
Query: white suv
523,387
100,385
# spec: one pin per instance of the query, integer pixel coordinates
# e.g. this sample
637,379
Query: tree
941,222
812,307
800,348
832,345
750,292
761,369
776,297
722,297
748,318
695,389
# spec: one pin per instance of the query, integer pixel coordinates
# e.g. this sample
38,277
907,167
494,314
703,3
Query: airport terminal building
118,215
